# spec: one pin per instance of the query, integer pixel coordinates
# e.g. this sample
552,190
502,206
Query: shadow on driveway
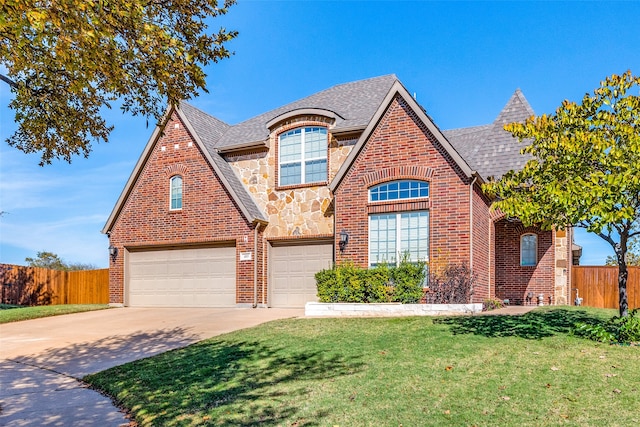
80,359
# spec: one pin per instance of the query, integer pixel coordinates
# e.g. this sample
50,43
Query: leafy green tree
584,171
52,261
633,253
68,59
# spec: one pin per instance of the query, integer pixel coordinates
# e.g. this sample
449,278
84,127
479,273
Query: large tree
584,171
65,60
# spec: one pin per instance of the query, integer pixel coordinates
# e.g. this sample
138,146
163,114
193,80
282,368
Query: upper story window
529,250
398,190
303,156
176,192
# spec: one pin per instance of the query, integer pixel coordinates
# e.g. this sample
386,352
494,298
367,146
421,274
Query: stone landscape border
319,309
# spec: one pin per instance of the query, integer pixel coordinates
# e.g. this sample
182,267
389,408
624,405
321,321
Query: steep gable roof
205,130
399,90
490,149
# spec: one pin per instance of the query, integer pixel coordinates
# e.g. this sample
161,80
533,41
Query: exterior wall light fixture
113,252
344,239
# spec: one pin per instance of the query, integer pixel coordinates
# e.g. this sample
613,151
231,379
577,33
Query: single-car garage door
193,277
292,272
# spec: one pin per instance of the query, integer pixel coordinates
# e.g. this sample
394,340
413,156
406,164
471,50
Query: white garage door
195,277
292,272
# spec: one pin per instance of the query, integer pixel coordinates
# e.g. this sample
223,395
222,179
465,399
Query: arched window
302,156
529,250
397,234
176,192
398,190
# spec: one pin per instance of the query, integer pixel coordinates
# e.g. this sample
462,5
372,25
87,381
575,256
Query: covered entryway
293,266
182,277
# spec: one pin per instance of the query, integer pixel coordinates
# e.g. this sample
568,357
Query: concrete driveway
42,360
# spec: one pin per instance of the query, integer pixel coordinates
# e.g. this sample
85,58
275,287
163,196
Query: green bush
621,330
408,279
383,283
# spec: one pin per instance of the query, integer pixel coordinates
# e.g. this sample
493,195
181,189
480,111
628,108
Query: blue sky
462,59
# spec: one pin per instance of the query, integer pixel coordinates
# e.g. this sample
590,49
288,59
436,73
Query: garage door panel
293,271
194,277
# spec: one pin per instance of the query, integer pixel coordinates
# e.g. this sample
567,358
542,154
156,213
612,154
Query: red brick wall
208,212
399,142
481,245
512,280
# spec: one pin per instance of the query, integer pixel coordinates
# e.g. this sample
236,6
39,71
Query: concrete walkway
43,360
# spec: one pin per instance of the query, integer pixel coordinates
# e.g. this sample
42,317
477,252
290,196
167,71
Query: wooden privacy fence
40,286
598,286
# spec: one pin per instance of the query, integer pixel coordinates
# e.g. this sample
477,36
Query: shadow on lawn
223,384
532,325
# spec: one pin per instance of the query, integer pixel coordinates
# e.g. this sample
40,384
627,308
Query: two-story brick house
220,215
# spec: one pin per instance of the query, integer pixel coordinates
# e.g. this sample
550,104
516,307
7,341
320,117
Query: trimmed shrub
384,283
408,279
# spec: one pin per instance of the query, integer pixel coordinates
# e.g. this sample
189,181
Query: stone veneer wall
563,266
301,210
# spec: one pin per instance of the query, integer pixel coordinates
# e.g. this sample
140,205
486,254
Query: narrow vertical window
529,250
176,192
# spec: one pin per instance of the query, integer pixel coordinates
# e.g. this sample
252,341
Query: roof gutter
243,146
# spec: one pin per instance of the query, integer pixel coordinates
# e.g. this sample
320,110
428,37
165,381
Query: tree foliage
67,59
585,169
52,261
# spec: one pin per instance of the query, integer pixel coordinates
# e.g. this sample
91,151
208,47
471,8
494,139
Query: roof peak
517,109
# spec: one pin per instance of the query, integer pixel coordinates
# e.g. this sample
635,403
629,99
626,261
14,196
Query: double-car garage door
191,277
206,277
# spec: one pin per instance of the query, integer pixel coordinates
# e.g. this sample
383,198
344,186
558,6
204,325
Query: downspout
489,269
264,271
255,265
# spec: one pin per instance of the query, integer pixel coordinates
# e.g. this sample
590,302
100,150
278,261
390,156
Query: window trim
535,250
173,179
399,182
398,229
302,159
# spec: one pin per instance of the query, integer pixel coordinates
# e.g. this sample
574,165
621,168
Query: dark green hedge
383,283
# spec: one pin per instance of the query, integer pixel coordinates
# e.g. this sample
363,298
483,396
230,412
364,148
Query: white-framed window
398,190
392,235
175,192
529,250
302,156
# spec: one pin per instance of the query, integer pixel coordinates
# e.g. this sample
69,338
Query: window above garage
176,192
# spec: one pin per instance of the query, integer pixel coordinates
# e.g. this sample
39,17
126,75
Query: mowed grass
12,313
459,371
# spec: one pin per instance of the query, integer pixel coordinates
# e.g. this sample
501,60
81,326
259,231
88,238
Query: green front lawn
13,313
463,371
